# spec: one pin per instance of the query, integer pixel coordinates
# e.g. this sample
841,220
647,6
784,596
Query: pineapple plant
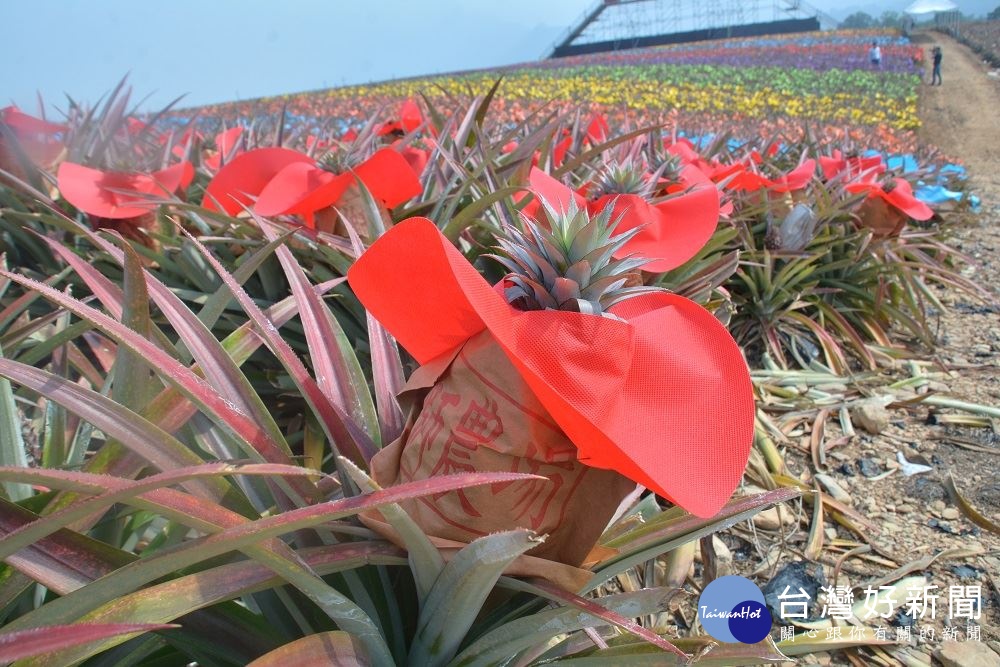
551,378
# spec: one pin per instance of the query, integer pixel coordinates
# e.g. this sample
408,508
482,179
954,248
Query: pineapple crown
344,158
571,265
625,177
670,166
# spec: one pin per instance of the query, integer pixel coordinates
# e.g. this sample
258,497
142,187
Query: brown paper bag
882,218
474,413
352,207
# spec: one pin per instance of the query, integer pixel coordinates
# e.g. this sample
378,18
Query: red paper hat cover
751,181
303,188
854,166
248,174
25,125
663,397
673,230
35,136
119,195
901,197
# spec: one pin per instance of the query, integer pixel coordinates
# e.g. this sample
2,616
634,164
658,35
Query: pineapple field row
490,368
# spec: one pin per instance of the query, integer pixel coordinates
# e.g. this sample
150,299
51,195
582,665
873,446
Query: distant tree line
860,20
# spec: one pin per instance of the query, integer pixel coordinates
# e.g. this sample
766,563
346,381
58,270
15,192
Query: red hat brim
119,195
303,188
24,125
902,198
234,187
675,229
663,397
796,179
559,195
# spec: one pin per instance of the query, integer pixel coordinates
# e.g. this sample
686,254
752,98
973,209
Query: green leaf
458,595
668,531
426,561
12,450
511,638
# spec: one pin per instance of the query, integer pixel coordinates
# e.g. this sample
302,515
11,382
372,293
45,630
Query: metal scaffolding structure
625,21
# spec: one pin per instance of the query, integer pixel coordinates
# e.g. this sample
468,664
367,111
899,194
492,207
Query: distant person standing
875,55
936,74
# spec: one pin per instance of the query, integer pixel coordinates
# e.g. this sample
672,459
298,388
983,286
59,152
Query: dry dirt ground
915,517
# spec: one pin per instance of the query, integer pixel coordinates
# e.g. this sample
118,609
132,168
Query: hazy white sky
218,50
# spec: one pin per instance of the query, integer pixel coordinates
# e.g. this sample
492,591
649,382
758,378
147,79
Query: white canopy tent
945,12
930,6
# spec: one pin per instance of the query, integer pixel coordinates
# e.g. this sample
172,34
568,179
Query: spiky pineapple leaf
459,593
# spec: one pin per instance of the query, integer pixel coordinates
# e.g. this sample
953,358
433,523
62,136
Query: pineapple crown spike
628,176
571,265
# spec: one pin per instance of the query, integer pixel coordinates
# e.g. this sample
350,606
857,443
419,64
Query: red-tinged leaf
62,562
107,292
38,641
387,369
170,410
326,649
121,491
803,644
246,536
192,511
21,303
342,430
831,349
191,385
174,599
216,304
102,349
557,594
217,366
340,380
705,650
149,441
845,328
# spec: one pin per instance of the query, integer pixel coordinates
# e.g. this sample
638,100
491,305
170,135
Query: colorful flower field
455,370
808,79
